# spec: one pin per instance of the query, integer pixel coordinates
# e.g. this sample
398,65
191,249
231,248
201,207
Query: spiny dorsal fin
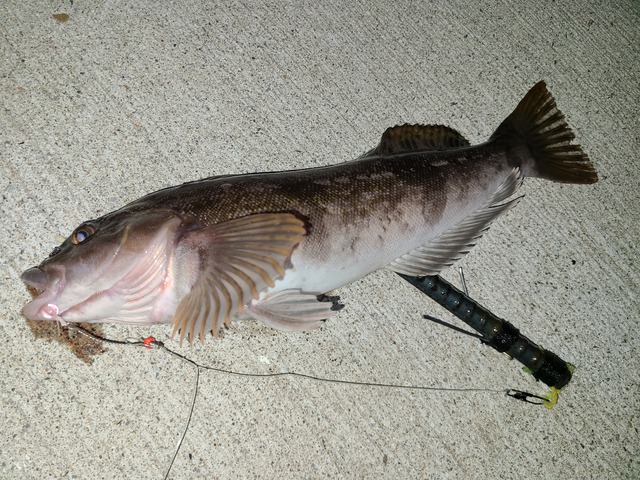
417,138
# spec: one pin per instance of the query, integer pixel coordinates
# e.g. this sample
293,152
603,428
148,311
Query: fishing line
152,343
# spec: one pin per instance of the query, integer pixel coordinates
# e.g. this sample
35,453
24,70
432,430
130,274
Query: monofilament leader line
152,343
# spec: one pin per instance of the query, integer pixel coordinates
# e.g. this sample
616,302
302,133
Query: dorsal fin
417,138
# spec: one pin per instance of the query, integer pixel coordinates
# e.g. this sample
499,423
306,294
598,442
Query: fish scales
334,197
265,245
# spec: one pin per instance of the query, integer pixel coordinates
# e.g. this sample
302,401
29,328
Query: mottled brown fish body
266,244
363,212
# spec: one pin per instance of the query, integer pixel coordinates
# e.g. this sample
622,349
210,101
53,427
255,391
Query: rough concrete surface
118,99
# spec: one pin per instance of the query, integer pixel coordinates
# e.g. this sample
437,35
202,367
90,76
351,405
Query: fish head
115,268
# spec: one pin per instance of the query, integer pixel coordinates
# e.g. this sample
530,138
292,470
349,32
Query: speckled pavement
105,101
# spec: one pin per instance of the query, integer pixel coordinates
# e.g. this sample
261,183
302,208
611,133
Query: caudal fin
540,126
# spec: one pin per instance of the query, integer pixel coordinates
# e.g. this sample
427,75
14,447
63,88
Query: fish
270,245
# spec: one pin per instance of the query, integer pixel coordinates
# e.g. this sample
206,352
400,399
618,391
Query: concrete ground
104,101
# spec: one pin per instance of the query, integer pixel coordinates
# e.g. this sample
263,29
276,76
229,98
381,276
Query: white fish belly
350,256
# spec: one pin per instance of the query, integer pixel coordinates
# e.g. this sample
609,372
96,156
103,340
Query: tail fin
537,123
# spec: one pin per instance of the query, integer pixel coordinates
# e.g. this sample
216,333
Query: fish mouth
44,292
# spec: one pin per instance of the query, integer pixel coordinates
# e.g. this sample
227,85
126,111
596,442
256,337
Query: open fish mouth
44,293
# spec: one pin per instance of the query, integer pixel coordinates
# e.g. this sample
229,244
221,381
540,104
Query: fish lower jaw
107,306
42,307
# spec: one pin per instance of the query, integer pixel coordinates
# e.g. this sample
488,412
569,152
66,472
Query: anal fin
444,250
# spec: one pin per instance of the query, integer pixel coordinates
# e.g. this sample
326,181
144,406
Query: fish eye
82,233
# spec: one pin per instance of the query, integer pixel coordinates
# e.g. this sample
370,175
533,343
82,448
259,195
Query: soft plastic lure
499,334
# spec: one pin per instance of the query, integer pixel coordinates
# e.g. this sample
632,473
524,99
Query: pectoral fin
232,262
441,252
